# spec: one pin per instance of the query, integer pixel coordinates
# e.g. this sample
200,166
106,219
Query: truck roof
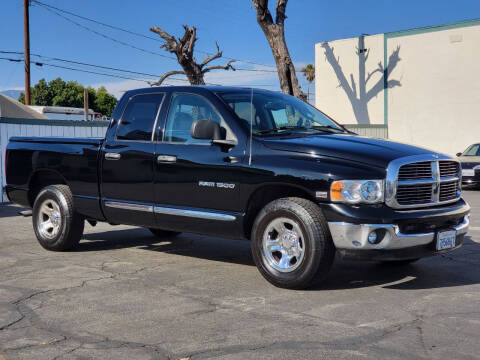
194,88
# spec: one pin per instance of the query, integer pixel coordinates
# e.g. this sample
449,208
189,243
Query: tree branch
280,12
264,16
378,69
211,58
171,44
166,75
227,66
183,48
393,60
189,39
335,63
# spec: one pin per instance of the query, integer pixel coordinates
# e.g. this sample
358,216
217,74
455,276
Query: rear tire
161,234
291,243
56,224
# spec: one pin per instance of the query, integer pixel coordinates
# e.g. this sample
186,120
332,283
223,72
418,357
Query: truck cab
246,164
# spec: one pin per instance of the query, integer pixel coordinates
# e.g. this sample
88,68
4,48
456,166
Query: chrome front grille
414,194
448,190
420,170
449,168
422,180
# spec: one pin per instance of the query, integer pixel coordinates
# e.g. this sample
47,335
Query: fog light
372,237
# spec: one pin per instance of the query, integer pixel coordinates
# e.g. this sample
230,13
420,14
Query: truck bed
73,160
57,140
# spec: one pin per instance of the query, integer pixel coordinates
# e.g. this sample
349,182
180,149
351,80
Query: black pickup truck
246,164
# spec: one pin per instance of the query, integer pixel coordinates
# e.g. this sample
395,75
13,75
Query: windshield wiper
265,131
282,129
328,128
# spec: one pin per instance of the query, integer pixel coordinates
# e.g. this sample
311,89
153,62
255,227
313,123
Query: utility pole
85,104
26,35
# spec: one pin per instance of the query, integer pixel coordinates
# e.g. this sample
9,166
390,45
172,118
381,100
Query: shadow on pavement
446,270
10,210
196,246
116,239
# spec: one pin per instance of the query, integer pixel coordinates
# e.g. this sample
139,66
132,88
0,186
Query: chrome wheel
49,219
283,244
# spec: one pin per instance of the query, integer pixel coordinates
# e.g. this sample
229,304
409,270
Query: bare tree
183,48
275,33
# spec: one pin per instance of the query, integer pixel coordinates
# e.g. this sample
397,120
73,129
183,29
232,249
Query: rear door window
184,110
139,118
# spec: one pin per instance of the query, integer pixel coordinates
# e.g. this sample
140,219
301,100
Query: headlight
357,191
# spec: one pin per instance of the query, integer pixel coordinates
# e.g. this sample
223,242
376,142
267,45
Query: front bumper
354,237
402,234
471,180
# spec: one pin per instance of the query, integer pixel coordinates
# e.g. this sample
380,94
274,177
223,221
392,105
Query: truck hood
375,152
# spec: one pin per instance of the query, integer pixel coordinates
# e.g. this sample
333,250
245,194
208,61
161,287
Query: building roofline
419,30
433,28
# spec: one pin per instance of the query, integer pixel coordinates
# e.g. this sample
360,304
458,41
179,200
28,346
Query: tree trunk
275,34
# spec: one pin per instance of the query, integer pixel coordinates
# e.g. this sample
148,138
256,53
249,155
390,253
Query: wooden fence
33,127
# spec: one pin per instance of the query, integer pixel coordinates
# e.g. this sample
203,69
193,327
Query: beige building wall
438,102
349,79
433,94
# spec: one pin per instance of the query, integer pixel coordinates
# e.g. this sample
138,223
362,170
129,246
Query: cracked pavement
123,294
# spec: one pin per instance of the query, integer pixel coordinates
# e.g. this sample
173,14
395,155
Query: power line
112,68
84,64
156,76
56,11
96,21
12,60
103,35
90,72
107,68
38,63
74,69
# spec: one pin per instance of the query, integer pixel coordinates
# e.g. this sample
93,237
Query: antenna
251,126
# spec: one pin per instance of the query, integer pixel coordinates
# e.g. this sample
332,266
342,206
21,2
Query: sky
230,22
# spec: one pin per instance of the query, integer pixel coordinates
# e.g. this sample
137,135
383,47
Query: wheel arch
41,178
267,193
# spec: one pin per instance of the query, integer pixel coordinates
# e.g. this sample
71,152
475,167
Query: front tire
56,224
291,243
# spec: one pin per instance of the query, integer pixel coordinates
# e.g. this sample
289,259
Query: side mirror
459,154
206,130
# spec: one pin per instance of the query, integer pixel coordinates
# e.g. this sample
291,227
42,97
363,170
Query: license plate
468,172
446,239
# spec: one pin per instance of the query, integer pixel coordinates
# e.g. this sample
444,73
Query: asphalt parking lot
125,295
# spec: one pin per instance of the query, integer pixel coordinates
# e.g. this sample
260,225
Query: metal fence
33,127
375,131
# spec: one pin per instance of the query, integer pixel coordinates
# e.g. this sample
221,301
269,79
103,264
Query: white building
64,112
422,84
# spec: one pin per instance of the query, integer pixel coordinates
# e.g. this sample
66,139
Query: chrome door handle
231,159
112,156
166,159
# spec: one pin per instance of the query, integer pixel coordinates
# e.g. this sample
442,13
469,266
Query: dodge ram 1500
246,164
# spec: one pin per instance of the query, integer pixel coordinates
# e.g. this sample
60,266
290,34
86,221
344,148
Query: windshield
473,150
276,113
